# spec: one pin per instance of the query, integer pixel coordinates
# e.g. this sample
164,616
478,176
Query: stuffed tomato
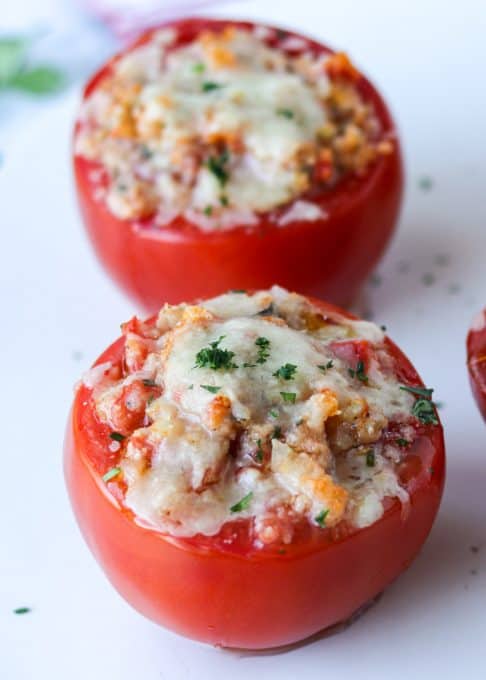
254,468
217,154
476,360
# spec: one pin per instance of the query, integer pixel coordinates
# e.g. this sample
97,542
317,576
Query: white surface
429,58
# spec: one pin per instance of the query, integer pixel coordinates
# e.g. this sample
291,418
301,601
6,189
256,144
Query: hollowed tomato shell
241,596
329,257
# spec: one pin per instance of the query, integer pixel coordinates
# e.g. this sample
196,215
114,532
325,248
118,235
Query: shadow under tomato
447,563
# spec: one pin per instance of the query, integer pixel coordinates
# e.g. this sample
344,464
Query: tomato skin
476,361
256,599
329,257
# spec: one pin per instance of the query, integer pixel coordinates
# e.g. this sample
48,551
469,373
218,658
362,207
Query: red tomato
476,360
230,593
327,257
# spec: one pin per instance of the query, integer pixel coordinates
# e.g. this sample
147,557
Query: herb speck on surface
425,183
428,279
243,504
454,288
111,474
22,610
320,519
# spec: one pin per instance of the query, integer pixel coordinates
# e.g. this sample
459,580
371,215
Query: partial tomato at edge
476,360
240,597
329,258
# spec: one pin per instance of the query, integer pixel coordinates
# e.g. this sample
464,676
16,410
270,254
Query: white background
59,311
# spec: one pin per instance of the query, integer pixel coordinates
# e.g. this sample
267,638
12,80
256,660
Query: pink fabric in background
127,18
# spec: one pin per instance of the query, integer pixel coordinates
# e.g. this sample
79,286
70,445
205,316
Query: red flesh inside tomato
329,257
222,589
476,360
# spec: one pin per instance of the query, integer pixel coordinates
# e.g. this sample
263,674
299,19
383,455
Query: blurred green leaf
12,55
38,80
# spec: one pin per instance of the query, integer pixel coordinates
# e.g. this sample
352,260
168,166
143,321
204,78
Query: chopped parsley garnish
274,413
208,210
22,610
210,85
149,383
289,397
211,388
145,152
320,519
325,367
215,358
117,436
223,200
285,372
370,458
243,504
263,345
402,442
259,452
199,68
359,372
114,472
423,410
285,113
268,311
277,432
425,392
238,291
425,183
217,165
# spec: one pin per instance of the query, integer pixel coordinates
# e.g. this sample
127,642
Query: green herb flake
259,451
114,472
370,458
117,436
428,279
22,610
423,410
208,210
359,372
149,383
263,345
325,367
425,183
215,358
425,392
285,113
285,372
217,166
238,291
402,442
210,86
224,200
289,397
211,388
243,504
199,68
277,432
320,519
273,412
145,152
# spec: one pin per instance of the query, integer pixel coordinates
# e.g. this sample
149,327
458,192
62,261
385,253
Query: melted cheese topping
224,128
255,406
